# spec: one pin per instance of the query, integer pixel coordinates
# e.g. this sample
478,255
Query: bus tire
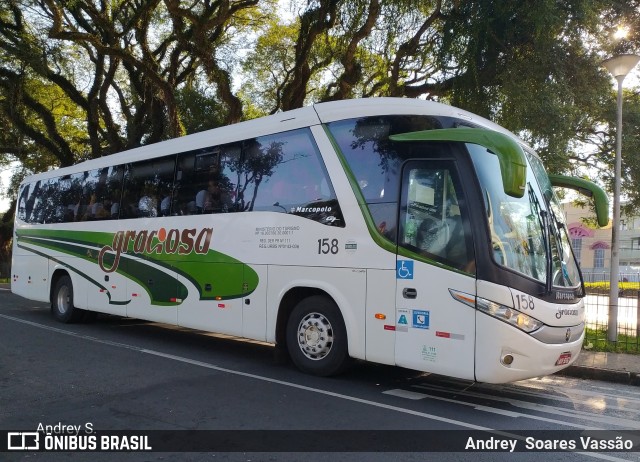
62,305
317,337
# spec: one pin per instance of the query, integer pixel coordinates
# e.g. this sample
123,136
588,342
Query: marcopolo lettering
312,209
161,241
565,296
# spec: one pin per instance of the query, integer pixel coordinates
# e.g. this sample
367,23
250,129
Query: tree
120,63
87,78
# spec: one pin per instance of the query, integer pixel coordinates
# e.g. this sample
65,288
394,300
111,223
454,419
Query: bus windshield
565,268
526,231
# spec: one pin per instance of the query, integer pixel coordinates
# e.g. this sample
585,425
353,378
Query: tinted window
101,190
54,209
433,217
38,201
32,202
146,185
110,192
283,170
284,173
205,183
281,173
277,173
23,196
73,196
376,162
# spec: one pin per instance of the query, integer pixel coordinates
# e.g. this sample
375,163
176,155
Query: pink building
592,245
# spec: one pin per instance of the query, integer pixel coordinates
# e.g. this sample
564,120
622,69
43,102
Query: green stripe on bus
79,273
216,276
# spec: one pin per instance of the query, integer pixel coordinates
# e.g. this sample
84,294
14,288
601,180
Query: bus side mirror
589,189
513,165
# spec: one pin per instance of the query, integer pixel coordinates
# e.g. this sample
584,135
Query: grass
596,340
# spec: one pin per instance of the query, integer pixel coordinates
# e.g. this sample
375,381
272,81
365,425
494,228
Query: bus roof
277,123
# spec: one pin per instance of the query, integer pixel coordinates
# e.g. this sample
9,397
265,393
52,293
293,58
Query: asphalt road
119,374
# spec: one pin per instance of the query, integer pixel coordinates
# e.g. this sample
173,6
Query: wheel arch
288,302
55,276
294,295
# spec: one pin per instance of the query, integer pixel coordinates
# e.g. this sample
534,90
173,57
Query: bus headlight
503,313
509,315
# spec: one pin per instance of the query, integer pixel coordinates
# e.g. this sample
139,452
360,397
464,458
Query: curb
607,375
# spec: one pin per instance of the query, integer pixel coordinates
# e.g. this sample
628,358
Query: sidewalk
611,367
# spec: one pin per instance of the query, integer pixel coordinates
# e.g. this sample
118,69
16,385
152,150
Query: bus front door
434,331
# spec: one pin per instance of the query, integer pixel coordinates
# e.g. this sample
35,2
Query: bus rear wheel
62,305
317,337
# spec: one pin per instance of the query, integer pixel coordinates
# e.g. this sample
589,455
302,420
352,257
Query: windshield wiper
547,244
543,217
557,232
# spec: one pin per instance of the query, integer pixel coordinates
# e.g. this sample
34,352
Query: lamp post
619,67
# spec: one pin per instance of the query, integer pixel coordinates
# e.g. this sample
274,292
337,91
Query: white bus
396,231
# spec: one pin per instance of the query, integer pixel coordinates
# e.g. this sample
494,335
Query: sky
5,176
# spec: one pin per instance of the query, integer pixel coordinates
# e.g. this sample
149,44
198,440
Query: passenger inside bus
212,199
148,204
165,204
115,208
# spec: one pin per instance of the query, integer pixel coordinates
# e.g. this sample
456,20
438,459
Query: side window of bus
54,204
111,191
230,159
376,162
146,185
281,172
32,202
74,201
204,183
22,202
101,194
39,213
65,207
433,219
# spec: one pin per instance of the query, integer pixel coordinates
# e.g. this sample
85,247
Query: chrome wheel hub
315,336
63,299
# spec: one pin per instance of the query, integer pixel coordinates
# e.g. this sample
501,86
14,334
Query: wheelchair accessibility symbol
404,269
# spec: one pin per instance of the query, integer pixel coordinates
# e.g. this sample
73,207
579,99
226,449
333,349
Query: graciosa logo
173,241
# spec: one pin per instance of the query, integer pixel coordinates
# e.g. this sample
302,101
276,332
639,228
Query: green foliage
267,66
603,286
529,69
596,340
85,79
199,111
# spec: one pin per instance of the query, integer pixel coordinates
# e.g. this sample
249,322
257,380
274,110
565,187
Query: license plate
563,359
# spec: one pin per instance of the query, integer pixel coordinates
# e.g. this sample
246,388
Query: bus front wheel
62,302
317,337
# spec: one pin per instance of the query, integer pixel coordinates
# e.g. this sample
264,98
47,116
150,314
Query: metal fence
627,274
597,320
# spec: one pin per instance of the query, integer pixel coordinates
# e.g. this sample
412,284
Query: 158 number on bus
326,246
